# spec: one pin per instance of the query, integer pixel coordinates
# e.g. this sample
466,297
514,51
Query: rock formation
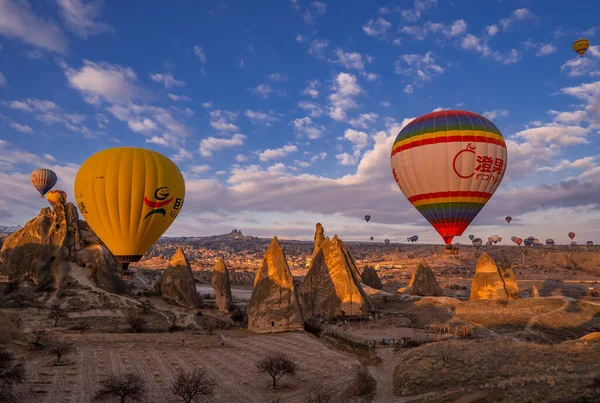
222,287
274,303
29,253
103,266
423,282
177,282
8,331
331,288
491,282
369,277
319,238
533,292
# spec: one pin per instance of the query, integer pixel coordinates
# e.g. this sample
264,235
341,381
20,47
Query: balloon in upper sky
448,164
571,235
367,218
129,197
580,46
43,180
55,196
508,219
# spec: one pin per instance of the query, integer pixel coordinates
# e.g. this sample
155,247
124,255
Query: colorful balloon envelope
367,218
43,180
571,235
508,219
513,238
56,196
589,243
471,237
549,241
448,164
519,241
580,46
477,242
129,197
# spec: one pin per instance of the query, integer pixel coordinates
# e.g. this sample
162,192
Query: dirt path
532,321
384,374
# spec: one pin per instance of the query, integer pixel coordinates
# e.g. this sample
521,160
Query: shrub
364,383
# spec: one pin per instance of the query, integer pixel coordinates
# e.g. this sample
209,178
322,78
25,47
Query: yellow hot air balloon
56,195
129,197
448,164
580,46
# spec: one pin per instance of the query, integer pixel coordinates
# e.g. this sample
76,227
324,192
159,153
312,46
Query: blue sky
282,113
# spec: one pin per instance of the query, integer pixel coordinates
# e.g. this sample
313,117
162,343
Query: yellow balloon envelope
580,46
56,195
129,197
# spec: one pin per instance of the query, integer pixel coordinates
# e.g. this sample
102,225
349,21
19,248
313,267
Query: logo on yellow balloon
487,168
161,196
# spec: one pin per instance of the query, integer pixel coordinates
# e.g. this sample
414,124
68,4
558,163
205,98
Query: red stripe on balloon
456,193
448,139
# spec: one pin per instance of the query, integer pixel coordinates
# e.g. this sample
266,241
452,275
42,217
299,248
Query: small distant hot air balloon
55,196
549,241
580,46
589,243
571,235
386,241
477,242
367,218
471,237
573,243
129,197
408,239
513,238
372,238
414,238
488,243
43,180
508,219
448,164
519,241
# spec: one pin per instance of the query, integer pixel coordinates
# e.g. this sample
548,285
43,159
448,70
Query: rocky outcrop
319,238
423,282
533,292
274,303
103,267
29,253
222,286
8,331
88,236
331,289
177,282
369,277
492,282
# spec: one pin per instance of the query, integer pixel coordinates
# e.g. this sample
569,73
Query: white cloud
81,18
102,120
207,105
3,82
34,54
176,98
458,27
492,30
103,81
580,66
200,169
300,38
575,117
351,60
212,144
306,127
33,104
422,31
142,126
363,120
385,104
263,90
408,89
348,159
262,118
318,9
277,153
345,89
18,21
199,52
359,139
317,48
377,27
420,67
277,77
21,128
167,79
546,49
471,42
555,134
313,108
312,89
241,158
496,113
221,120
521,14
582,163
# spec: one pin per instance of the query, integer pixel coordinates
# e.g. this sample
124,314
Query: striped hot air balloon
448,164
43,180
589,243
580,46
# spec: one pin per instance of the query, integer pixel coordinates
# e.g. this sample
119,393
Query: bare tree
276,365
319,393
56,314
11,373
136,323
21,299
39,336
61,349
146,306
364,383
126,388
193,385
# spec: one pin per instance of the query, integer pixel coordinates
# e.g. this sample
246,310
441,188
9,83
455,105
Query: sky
282,113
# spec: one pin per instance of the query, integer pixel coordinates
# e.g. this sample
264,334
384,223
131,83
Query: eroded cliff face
423,282
177,282
222,286
493,282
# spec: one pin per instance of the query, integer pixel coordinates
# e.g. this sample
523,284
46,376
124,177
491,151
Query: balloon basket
450,250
